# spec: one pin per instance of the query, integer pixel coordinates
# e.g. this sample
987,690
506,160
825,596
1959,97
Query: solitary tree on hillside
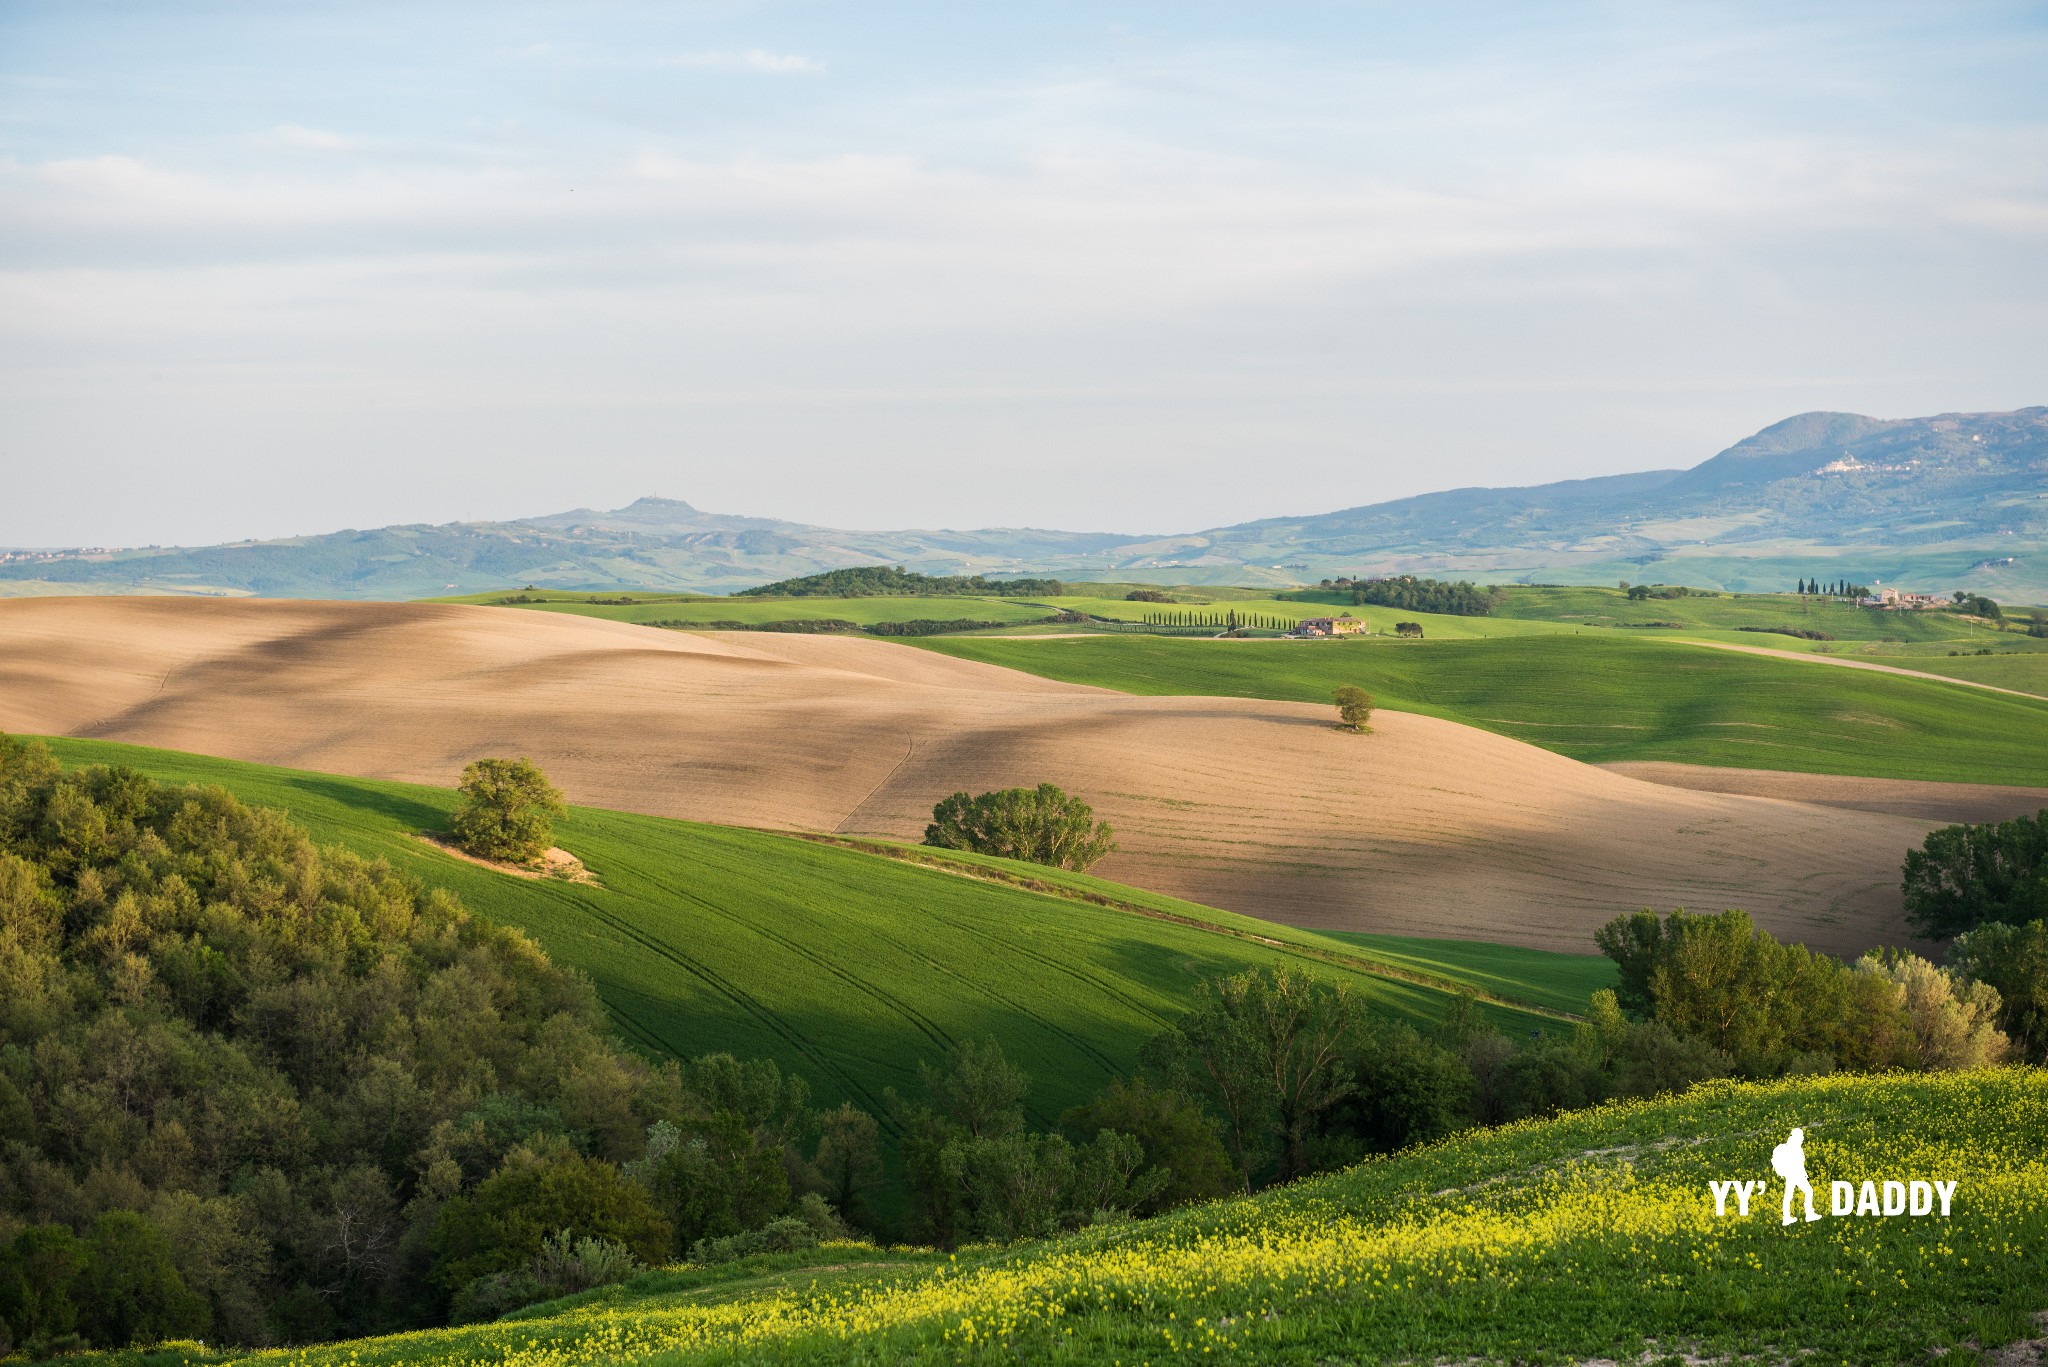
508,812
1042,825
1354,705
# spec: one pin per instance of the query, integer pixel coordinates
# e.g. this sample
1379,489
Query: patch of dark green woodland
885,581
1412,594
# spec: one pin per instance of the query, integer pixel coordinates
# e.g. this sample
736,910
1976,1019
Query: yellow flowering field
1591,1235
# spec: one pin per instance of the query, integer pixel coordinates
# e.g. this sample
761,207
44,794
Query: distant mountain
1959,500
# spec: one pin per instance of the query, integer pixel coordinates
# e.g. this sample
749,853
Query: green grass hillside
1593,1235
850,967
1596,697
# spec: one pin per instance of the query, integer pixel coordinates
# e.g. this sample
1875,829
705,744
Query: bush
1041,825
1146,596
814,1222
564,1266
508,811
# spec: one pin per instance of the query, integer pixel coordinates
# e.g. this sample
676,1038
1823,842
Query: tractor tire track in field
745,1001
928,1027
1104,986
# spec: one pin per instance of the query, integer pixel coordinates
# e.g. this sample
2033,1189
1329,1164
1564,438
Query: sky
286,267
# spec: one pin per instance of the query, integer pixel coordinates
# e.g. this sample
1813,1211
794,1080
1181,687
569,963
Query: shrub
1146,596
508,811
1041,825
564,1266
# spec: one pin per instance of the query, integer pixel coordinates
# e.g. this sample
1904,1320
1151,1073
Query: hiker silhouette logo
1872,1196
1788,1160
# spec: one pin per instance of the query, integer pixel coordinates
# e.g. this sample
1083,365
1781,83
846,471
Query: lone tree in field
1354,706
1042,825
508,812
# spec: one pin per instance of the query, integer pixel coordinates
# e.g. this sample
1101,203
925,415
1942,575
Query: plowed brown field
1425,827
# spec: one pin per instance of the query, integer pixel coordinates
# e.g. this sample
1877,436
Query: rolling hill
1427,828
1951,501
1476,1249
850,967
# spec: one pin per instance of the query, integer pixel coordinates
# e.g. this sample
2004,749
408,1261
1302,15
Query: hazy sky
275,267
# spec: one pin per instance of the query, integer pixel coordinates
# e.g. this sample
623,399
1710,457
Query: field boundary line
1372,967
1836,660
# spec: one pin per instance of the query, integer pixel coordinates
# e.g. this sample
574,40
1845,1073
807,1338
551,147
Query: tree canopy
1042,825
886,581
508,811
1965,876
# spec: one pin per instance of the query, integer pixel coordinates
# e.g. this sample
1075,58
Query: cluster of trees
1839,588
255,1080
1231,620
1638,592
256,1091
1975,605
885,581
1147,596
1410,594
1042,825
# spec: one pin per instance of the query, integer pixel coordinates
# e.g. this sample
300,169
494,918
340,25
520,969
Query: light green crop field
1731,611
1596,697
1435,626
844,966
1594,1235
694,608
2026,671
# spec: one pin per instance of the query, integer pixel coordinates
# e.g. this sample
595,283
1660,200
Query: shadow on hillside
402,808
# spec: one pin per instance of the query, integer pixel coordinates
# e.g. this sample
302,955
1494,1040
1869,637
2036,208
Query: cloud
310,139
751,59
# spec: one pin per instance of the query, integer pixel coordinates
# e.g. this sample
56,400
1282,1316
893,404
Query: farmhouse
1903,602
1347,625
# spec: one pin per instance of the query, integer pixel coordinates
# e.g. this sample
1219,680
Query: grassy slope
1586,1236
1596,697
844,966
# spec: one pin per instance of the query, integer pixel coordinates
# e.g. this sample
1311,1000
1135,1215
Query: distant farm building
1347,625
1903,602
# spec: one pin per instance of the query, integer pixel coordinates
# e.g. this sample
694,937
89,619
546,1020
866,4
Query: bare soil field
1942,802
1425,827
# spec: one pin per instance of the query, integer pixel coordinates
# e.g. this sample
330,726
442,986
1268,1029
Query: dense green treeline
885,581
